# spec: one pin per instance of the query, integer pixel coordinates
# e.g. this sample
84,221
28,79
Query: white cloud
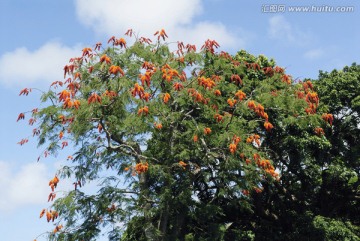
23,67
38,68
314,54
25,186
200,32
114,17
281,29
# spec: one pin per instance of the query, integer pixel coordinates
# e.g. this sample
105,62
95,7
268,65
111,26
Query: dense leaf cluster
201,145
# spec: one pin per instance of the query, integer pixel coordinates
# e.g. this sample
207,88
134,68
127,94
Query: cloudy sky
38,37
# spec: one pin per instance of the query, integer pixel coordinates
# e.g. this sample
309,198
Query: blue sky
38,37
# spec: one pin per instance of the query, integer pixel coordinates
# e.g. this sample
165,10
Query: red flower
231,102
190,47
76,104
68,103
23,141
268,126
32,121
178,86
319,131
207,131
145,40
210,46
144,110
145,78
53,183
25,91
183,164
207,83
328,118
138,90
141,167
236,78
98,46
286,78
120,42
251,105
232,148
63,95
105,58
129,32
236,139
218,117
51,196
240,95
86,51
217,92
146,96
21,116
42,213
161,33
279,69
94,98
116,70
166,98
158,126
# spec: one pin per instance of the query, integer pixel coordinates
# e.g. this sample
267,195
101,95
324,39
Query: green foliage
188,145
330,229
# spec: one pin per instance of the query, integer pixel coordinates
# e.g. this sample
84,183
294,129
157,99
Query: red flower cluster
141,167
233,145
328,118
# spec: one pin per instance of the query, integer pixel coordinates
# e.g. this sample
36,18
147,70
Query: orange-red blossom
254,138
319,131
63,95
236,78
137,90
183,164
328,118
105,58
217,92
162,34
116,70
21,116
231,102
268,126
53,183
144,110
158,126
57,228
218,117
232,148
240,95
50,215
207,131
166,98
94,98
141,167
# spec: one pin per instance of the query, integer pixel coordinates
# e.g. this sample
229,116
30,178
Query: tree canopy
190,144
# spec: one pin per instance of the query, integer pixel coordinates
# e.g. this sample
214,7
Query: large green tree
318,198
185,144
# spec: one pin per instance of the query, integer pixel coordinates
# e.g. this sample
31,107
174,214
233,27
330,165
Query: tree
197,137
339,196
318,198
